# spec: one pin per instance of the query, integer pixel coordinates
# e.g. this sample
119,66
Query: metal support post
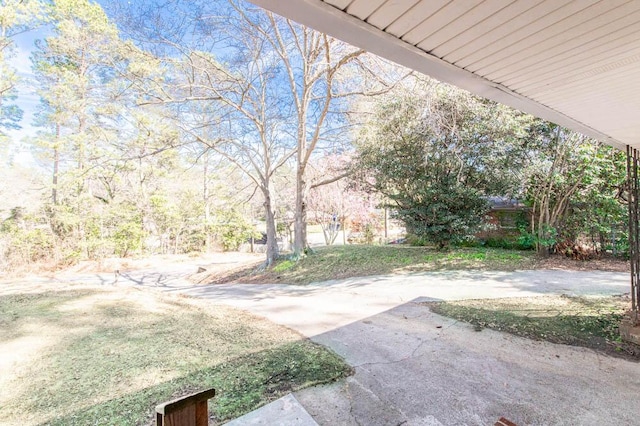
634,230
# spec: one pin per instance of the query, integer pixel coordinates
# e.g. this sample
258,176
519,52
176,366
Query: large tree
266,90
312,62
98,144
573,184
78,89
435,153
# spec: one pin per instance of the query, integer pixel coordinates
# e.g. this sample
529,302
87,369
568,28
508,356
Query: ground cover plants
338,262
590,322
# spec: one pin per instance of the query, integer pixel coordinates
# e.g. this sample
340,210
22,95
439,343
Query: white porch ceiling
573,62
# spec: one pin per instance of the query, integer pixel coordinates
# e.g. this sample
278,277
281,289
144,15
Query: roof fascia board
336,23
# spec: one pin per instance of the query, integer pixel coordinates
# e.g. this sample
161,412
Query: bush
232,229
529,241
128,238
26,240
415,240
442,212
470,242
508,243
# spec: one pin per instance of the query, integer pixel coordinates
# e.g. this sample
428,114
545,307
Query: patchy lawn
108,356
337,262
590,322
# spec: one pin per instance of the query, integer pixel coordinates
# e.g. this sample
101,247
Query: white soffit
576,63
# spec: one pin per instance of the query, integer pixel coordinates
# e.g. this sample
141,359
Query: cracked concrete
415,368
454,375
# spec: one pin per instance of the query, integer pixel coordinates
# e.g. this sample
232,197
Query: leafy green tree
434,152
440,210
78,88
105,153
232,228
175,222
28,239
574,185
127,232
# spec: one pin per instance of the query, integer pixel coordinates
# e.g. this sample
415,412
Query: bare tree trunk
300,218
56,166
205,200
272,244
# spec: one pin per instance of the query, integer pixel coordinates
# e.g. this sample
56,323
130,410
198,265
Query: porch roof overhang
575,63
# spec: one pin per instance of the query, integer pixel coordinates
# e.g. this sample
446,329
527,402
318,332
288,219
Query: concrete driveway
413,367
321,307
416,368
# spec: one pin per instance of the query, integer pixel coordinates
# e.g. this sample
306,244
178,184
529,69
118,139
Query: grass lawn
336,262
590,322
108,356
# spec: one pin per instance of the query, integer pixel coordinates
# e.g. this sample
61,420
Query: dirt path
166,272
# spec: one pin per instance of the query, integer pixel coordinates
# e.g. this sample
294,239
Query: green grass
284,265
109,356
337,262
590,322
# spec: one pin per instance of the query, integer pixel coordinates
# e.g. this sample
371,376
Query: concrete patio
413,367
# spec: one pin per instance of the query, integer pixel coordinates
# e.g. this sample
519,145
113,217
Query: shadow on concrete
414,367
